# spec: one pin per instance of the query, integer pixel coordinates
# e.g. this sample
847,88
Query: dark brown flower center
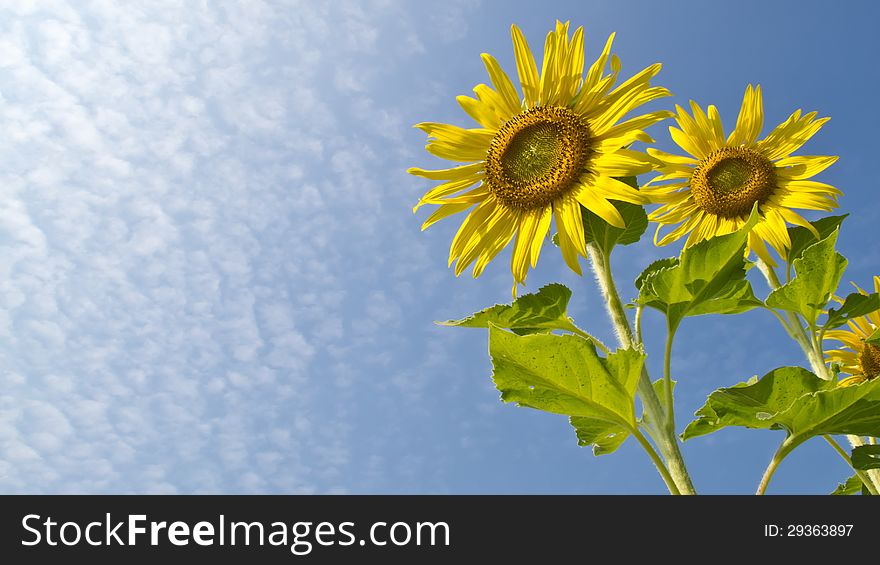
869,360
730,180
537,156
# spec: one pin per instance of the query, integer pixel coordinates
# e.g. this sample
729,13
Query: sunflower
860,360
541,155
713,192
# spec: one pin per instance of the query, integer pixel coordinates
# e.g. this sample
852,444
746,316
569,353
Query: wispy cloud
194,239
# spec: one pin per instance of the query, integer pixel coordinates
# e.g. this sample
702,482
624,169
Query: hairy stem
639,310
658,462
780,454
863,476
667,443
667,381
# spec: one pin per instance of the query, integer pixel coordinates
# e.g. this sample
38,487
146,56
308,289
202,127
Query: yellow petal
715,123
750,120
474,196
679,231
638,81
455,135
843,336
454,173
622,163
624,133
444,211
805,200
482,238
679,213
525,66
457,152
575,63
708,127
607,114
614,189
777,230
852,381
594,75
697,135
569,224
803,166
704,230
522,248
548,79
482,113
684,141
810,186
756,244
446,189
670,158
493,101
545,215
502,84
595,203
793,217
791,135
502,235
473,222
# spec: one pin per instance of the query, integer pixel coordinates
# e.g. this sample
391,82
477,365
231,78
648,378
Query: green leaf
855,305
542,311
754,403
709,278
563,374
660,388
658,265
866,457
605,437
853,485
607,236
874,338
801,237
818,272
795,400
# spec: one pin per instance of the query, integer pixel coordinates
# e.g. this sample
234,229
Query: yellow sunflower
860,360
714,190
540,155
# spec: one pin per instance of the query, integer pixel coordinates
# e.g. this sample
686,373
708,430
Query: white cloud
193,232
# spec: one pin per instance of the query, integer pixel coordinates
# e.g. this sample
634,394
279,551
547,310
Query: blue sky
211,279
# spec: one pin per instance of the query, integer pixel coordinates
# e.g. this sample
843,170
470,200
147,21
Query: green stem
863,476
658,462
873,474
667,381
782,320
795,328
639,310
596,341
667,443
838,449
812,348
784,449
821,339
602,268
